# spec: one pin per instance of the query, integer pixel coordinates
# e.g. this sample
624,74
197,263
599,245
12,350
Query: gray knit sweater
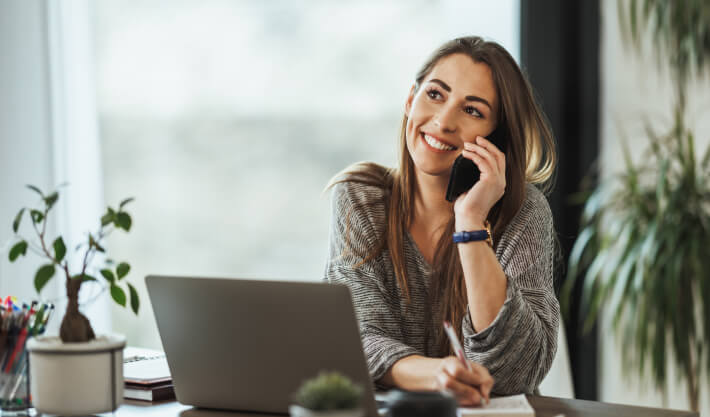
517,348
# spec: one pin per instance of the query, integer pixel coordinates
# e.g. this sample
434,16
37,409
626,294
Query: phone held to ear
465,173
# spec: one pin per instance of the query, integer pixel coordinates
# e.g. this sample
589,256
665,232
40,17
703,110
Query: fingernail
479,139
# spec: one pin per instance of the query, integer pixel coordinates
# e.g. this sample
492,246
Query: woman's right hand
469,387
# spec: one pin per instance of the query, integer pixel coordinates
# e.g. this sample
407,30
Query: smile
437,144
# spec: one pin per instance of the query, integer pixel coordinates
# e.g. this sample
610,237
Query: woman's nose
445,119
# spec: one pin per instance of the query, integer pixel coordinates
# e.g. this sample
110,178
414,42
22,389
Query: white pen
458,350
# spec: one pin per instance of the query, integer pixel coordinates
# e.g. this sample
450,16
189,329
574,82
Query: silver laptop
248,345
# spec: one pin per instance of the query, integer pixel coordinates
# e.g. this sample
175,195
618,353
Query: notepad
145,366
512,406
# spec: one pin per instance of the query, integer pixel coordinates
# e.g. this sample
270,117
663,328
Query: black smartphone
464,173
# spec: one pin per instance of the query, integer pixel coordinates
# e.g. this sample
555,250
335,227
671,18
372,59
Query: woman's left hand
471,208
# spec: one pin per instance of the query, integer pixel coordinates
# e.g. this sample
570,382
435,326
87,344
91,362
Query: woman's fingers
491,147
464,393
483,164
470,386
486,379
478,376
486,155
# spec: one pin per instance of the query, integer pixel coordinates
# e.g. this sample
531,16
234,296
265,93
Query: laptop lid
248,345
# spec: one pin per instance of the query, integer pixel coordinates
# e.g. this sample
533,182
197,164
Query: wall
25,125
633,89
48,137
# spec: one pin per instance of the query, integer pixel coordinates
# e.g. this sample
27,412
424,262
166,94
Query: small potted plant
77,373
330,394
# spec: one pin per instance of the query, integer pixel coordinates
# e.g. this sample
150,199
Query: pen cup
15,399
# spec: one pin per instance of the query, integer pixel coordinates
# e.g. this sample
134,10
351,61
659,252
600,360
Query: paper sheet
512,406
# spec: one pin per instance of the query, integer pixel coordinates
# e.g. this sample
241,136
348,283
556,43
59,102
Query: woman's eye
472,111
434,94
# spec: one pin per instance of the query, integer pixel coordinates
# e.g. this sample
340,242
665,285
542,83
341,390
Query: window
226,119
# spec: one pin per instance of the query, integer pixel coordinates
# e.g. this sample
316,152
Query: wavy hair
530,158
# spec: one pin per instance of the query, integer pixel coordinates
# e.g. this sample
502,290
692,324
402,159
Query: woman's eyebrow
469,98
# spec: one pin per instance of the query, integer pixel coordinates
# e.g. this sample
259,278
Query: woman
391,236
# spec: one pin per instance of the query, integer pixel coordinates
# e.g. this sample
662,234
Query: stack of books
146,375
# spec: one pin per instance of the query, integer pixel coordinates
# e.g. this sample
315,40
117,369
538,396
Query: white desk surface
133,408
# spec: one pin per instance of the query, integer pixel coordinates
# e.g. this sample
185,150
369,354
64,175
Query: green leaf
122,270
107,218
87,277
51,199
44,274
59,249
35,189
20,248
123,220
118,295
706,159
108,274
37,216
580,244
135,303
124,202
622,285
16,222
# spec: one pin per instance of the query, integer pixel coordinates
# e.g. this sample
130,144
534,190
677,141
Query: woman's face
454,104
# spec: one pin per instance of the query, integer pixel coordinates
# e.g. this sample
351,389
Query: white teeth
438,145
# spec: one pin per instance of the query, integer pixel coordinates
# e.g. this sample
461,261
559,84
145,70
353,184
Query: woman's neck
430,205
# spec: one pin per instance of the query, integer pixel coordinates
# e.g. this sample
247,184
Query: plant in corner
95,363
75,326
329,394
643,244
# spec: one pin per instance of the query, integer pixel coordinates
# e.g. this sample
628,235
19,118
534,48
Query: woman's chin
441,171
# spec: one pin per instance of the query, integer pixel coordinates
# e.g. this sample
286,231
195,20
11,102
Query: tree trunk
75,326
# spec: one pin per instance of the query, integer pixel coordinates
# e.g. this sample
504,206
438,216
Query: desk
544,407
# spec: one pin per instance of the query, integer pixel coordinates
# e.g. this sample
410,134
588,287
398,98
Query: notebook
145,366
158,392
511,406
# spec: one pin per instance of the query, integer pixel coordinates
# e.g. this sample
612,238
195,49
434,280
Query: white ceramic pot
72,379
298,411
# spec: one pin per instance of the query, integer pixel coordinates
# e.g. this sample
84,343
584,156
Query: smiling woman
391,234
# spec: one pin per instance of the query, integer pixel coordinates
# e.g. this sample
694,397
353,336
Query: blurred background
226,119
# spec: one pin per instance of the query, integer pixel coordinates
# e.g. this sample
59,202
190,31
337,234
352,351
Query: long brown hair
530,157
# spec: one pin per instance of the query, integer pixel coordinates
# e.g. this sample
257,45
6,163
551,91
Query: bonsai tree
75,327
329,391
643,244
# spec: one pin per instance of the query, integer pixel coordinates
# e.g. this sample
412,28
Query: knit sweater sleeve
357,224
520,344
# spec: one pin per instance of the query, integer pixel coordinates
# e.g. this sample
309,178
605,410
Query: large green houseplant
643,246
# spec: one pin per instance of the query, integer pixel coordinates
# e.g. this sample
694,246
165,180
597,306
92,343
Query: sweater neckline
415,248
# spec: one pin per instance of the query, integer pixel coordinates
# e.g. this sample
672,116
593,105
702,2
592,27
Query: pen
458,350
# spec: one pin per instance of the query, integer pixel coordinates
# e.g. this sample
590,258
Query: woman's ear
410,98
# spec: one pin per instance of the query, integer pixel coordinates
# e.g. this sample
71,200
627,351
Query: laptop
247,345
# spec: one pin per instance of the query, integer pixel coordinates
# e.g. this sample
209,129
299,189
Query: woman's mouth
437,145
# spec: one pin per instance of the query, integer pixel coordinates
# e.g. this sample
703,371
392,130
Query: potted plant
643,244
329,394
95,363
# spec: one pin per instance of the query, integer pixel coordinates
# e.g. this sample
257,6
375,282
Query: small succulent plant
329,391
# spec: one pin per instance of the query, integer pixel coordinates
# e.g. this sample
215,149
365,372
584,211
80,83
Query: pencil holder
15,397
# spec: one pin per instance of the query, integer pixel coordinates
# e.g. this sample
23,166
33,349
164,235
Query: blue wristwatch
475,235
